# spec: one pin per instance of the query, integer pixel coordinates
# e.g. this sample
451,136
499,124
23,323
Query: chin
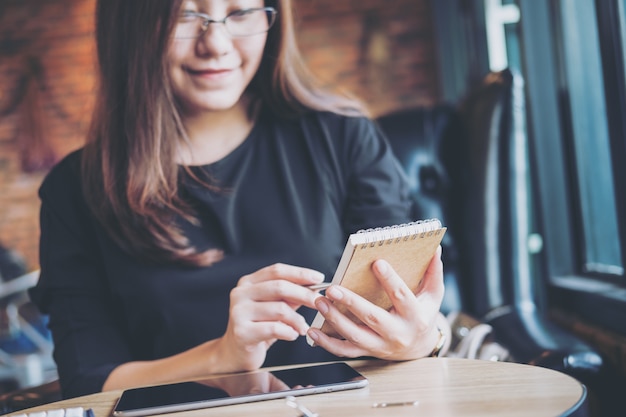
211,105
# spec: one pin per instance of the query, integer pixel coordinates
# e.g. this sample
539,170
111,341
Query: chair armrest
531,338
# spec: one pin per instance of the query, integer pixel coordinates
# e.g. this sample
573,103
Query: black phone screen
238,388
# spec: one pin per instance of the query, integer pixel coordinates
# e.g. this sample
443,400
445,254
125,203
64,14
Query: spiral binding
396,233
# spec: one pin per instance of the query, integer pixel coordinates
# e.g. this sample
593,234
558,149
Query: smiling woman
217,183
59,36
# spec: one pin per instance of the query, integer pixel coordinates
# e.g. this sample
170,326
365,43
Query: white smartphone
238,388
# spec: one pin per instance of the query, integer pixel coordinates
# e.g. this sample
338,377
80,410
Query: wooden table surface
442,387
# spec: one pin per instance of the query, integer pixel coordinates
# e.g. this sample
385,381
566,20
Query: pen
319,287
293,403
395,404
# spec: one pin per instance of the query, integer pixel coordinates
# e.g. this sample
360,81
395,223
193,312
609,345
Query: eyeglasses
245,22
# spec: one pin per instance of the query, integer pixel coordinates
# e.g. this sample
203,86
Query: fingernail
314,335
318,276
334,292
382,266
322,305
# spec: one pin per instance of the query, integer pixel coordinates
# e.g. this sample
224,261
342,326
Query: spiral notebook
407,247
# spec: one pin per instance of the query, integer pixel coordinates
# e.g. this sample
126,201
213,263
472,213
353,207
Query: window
588,139
572,56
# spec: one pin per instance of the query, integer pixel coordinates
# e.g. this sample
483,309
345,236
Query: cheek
175,58
174,55
252,53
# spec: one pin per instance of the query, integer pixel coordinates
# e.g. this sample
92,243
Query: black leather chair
467,163
421,140
496,227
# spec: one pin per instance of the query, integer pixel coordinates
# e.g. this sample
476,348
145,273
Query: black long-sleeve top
290,193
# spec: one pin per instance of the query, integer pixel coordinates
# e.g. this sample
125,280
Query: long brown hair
130,174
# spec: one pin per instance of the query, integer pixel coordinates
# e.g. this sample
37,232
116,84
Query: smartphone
238,388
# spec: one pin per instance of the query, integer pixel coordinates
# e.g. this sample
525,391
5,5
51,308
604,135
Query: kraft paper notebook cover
407,247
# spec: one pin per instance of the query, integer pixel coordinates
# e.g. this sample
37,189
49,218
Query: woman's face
212,71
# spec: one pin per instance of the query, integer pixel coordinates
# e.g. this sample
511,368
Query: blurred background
395,55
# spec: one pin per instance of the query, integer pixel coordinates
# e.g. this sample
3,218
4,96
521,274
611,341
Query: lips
210,73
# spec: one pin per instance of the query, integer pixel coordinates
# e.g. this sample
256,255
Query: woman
217,183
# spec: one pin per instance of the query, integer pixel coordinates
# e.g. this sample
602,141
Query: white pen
319,287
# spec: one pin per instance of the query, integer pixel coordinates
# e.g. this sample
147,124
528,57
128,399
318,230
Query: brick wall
46,81
382,51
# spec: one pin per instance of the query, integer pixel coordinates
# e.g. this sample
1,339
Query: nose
215,40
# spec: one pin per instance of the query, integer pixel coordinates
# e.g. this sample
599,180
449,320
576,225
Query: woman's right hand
262,310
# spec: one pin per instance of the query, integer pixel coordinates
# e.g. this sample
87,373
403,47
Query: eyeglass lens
245,22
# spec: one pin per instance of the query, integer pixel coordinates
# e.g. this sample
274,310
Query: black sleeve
88,343
378,191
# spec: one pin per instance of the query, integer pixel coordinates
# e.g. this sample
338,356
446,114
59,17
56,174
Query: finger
270,312
374,317
363,336
295,274
430,295
254,333
278,290
433,277
338,347
269,330
400,295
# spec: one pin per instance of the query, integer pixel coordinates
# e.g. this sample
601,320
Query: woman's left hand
407,331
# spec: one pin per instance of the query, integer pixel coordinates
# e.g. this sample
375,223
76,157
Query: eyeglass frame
207,20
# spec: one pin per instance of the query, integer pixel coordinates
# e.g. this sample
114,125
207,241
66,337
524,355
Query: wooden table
442,386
